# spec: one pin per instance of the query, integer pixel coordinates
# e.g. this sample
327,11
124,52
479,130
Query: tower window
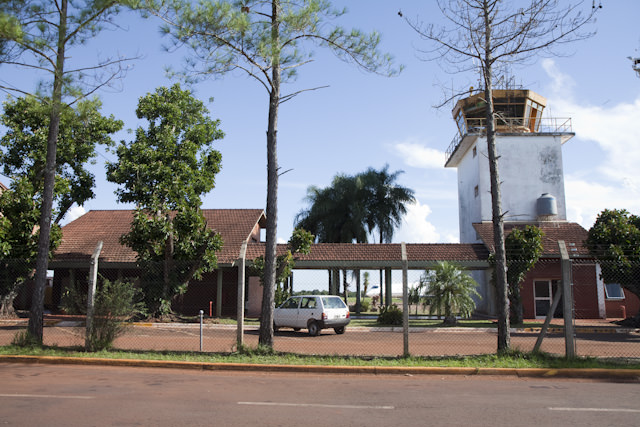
476,191
475,151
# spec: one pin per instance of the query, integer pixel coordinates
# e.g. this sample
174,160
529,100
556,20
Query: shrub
25,339
390,315
115,303
364,306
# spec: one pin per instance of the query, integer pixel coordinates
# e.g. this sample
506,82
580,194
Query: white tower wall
529,165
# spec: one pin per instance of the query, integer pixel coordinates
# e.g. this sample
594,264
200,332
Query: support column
388,288
219,294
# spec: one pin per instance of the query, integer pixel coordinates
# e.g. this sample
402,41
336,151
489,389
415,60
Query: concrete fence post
91,292
567,306
405,299
240,302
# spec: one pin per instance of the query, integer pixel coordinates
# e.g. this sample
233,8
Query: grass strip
514,359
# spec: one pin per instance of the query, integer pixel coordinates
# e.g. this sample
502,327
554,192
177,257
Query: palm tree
385,204
385,201
450,292
336,214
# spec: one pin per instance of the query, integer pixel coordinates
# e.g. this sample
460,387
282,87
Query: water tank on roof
547,206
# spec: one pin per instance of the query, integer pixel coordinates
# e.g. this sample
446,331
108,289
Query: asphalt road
56,395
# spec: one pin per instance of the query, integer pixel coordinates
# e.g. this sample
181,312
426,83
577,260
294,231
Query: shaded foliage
523,248
614,239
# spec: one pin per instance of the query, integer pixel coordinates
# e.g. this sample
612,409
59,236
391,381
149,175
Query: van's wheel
296,329
339,330
313,328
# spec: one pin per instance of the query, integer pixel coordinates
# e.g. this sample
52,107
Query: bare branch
288,97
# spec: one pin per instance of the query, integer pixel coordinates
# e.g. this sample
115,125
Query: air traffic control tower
529,148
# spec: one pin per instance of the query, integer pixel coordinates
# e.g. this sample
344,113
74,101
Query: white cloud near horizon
418,155
416,228
73,213
614,182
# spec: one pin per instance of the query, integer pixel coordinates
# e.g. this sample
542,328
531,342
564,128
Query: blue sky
363,120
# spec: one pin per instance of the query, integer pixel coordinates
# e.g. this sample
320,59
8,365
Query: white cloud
418,155
615,180
416,228
74,213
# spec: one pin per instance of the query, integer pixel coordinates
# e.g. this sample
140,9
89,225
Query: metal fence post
405,299
201,320
93,279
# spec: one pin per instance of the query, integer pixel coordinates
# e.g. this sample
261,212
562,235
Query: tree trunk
167,267
345,287
266,318
516,313
502,298
44,238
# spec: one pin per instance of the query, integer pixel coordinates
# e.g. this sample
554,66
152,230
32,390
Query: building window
543,293
462,126
475,151
476,191
613,291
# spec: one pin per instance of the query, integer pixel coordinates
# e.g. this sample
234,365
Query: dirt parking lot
356,341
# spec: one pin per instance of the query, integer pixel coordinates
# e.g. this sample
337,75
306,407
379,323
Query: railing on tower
515,125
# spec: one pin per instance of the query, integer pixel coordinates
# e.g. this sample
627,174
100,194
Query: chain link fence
598,308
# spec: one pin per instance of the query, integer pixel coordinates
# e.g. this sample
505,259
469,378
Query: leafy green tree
23,148
450,292
488,37
268,40
39,35
165,171
614,239
23,158
523,248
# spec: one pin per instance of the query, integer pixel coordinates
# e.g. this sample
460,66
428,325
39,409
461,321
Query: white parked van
313,312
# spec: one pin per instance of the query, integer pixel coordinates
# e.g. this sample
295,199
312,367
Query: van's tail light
324,316
347,314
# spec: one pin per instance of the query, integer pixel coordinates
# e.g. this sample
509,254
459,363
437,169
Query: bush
364,306
390,315
25,339
115,303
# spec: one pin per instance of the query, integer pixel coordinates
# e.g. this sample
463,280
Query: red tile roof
364,255
572,233
80,237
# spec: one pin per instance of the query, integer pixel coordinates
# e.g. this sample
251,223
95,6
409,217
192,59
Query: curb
606,374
